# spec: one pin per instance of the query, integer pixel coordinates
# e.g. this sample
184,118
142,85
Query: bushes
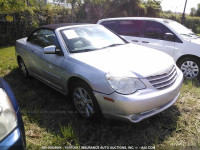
190,22
193,23
27,20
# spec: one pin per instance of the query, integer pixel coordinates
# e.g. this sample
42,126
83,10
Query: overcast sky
178,5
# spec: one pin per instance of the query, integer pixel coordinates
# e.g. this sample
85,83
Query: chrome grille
164,80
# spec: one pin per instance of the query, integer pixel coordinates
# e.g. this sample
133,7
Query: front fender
92,76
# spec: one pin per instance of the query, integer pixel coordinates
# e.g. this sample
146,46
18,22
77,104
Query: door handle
135,41
145,42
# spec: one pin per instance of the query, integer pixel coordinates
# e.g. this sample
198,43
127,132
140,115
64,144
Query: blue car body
16,139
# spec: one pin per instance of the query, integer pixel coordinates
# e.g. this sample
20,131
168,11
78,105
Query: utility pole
183,15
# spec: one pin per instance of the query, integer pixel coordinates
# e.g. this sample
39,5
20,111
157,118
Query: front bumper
13,141
140,105
16,139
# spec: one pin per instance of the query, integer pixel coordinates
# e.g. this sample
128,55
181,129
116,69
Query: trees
153,8
97,9
11,6
195,12
90,10
198,10
73,3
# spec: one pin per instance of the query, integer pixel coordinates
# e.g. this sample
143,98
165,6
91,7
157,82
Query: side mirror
169,37
50,49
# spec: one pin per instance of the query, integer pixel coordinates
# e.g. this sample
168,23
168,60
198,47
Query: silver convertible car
103,73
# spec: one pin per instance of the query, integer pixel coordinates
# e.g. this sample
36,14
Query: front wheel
85,101
190,66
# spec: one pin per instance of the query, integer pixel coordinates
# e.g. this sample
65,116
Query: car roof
134,18
56,26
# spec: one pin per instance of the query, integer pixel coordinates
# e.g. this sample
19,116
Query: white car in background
164,35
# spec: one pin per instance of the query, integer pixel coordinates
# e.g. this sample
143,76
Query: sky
178,5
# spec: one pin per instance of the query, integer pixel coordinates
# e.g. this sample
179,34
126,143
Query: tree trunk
27,2
72,13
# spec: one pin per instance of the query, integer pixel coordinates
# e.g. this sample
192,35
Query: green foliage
193,12
153,8
30,14
68,137
190,22
7,63
38,4
193,23
198,10
11,6
27,18
95,10
171,15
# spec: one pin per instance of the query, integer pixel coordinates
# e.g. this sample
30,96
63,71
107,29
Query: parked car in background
101,71
12,135
164,35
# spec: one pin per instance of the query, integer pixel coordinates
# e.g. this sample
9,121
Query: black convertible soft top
55,26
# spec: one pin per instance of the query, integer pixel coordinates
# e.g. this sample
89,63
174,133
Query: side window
43,38
33,37
155,30
110,25
130,27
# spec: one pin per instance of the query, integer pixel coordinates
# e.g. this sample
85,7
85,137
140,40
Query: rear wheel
23,68
190,66
85,101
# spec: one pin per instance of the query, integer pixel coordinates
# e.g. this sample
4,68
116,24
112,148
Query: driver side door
153,36
49,65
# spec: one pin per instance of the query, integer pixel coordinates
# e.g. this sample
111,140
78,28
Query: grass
50,119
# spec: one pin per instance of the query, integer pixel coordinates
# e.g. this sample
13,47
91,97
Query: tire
190,66
23,68
85,101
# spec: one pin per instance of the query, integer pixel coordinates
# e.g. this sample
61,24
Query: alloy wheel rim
190,69
83,102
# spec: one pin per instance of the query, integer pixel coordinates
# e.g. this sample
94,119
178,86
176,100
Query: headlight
8,119
124,85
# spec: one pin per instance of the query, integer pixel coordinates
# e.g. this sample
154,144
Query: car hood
194,44
195,41
127,60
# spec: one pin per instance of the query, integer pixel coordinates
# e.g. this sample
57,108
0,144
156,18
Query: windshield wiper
191,35
188,35
112,45
84,50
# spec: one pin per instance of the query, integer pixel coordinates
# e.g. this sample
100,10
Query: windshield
182,30
88,38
